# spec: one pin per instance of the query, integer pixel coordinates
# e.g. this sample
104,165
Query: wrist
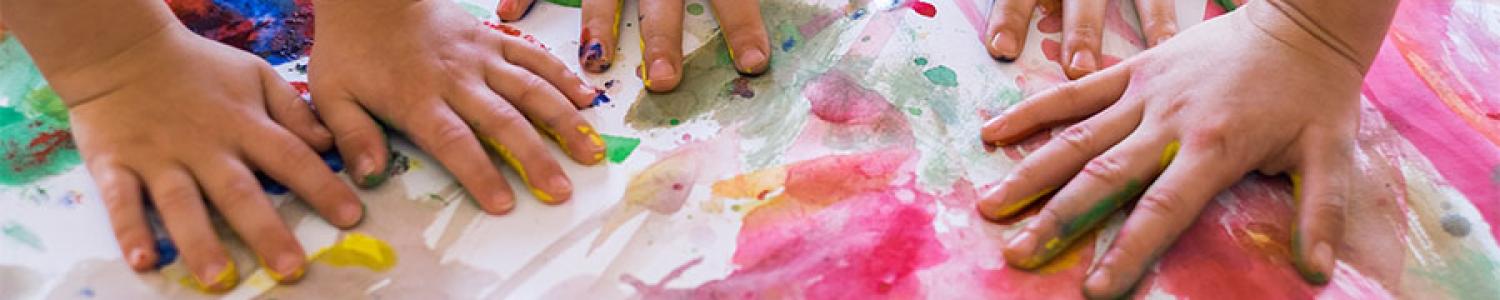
1330,30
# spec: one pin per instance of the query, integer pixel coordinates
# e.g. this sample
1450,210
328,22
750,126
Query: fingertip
1003,48
369,171
141,258
513,10
752,61
1098,285
1082,63
559,190
1316,262
351,214
594,56
660,76
499,203
288,267
1019,252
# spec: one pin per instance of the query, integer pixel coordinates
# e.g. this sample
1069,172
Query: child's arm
160,111
1273,87
454,86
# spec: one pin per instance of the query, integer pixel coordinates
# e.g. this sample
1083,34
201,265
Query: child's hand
432,71
1083,29
1299,116
661,34
187,118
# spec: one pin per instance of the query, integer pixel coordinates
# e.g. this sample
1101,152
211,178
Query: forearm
1352,29
65,35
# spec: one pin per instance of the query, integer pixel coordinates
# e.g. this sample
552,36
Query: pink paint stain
870,243
922,8
838,99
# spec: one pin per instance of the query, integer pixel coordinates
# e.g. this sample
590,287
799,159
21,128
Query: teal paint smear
942,75
1468,274
920,61
477,11
619,148
20,234
35,141
579,4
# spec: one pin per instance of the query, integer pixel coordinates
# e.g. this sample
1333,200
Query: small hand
661,34
1175,126
432,71
188,119
1083,29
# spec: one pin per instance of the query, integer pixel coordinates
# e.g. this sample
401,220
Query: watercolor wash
850,169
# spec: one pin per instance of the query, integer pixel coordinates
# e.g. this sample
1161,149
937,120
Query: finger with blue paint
661,38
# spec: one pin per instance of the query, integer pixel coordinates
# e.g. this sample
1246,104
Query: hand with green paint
1272,87
159,111
1082,32
453,85
661,36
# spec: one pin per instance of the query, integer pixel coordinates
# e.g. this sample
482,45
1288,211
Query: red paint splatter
40,149
300,87
515,32
838,99
923,8
1050,23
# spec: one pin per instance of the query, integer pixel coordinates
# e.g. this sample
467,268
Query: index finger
745,33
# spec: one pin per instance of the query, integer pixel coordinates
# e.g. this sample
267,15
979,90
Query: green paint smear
1468,274
477,11
692,9
24,236
1228,5
920,61
778,111
572,3
618,148
942,75
1073,229
31,111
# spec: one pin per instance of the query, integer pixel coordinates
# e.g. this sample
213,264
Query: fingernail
1005,48
1098,280
137,258
585,89
507,7
593,56
1321,262
217,277
350,214
1025,242
559,185
321,132
504,201
750,60
364,166
661,69
287,268
1083,61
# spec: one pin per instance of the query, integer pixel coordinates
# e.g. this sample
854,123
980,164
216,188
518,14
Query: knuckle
1078,137
1083,34
448,137
1106,169
175,198
1159,204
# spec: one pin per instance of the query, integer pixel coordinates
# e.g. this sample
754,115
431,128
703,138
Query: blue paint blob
166,252
271,186
858,13
788,44
333,160
86,293
279,31
600,98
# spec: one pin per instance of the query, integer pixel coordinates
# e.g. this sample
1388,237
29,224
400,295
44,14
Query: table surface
850,170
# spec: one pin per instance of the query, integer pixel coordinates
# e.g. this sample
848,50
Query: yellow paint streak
358,249
1169,153
561,143
294,276
1065,260
1018,205
510,159
593,136
1296,187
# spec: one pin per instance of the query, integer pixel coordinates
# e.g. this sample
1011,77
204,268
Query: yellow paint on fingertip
511,160
1170,153
294,276
593,136
1017,206
358,249
224,281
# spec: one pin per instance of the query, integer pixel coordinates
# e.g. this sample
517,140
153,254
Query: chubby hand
661,36
453,85
1176,125
185,119
1083,29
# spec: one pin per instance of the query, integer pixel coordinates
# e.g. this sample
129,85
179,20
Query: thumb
1321,189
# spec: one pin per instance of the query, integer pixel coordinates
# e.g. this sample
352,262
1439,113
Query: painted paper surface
848,171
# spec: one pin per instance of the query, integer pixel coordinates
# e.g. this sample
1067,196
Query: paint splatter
358,249
741,87
1455,225
858,13
695,9
922,8
838,99
278,30
942,76
619,148
35,149
920,61
600,98
20,234
166,252
664,186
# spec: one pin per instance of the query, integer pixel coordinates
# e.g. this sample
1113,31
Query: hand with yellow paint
453,86
1083,29
1272,87
661,36
163,115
